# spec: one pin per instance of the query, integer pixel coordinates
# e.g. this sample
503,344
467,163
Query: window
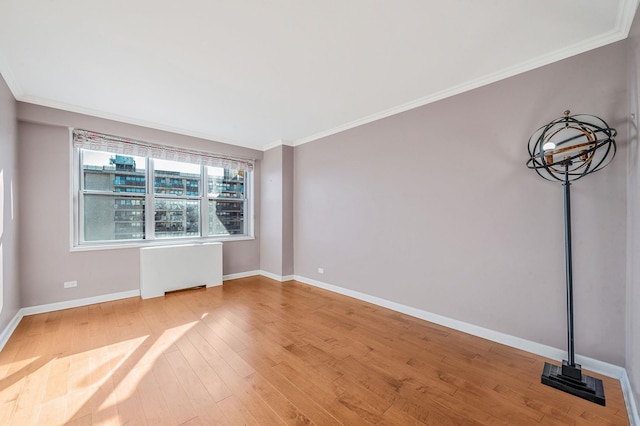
124,197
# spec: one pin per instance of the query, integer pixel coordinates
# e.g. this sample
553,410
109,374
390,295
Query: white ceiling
256,73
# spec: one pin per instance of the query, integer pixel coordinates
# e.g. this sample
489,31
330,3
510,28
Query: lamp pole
568,262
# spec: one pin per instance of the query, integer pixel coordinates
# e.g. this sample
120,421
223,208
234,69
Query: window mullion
150,208
248,209
204,202
80,198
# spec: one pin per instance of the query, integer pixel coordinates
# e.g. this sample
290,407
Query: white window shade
100,142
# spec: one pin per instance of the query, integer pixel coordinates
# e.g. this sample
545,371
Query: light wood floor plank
236,413
191,382
198,354
259,352
307,405
177,399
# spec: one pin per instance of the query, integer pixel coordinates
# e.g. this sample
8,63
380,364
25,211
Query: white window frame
77,211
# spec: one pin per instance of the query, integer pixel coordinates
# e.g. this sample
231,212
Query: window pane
109,217
104,171
226,217
225,183
113,190
176,217
175,178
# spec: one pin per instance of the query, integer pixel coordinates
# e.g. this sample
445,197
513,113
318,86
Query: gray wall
633,215
45,259
434,208
271,217
276,244
288,256
9,214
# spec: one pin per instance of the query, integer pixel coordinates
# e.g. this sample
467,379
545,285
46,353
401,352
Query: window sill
156,243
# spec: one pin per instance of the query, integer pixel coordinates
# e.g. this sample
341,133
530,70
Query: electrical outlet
321,270
70,284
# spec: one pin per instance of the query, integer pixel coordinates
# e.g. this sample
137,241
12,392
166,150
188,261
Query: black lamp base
570,379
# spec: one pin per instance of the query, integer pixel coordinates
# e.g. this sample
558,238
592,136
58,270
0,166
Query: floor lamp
566,150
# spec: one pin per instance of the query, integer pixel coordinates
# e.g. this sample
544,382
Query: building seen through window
184,200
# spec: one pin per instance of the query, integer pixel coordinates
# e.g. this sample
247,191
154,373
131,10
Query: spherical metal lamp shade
571,147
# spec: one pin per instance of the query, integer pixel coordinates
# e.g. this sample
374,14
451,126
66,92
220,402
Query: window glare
215,171
176,166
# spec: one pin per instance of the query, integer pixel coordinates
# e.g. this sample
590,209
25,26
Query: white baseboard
240,275
10,328
270,275
50,307
607,369
627,392
279,278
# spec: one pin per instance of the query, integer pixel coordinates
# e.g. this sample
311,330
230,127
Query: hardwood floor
259,352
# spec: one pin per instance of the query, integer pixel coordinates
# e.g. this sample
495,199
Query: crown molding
275,144
626,14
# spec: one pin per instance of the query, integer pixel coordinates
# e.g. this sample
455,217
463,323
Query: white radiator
169,268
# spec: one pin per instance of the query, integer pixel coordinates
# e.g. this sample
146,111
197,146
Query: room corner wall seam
276,277
240,275
629,399
5,335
